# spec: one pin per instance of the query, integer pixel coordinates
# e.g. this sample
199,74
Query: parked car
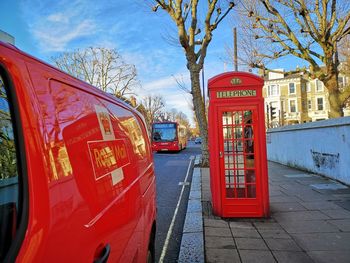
77,177
198,140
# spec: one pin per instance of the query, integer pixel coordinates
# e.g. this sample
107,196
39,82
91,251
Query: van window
9,190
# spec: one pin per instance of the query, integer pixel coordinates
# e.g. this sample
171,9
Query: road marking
166,243
184,183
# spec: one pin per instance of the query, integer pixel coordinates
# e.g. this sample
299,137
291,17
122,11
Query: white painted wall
320,147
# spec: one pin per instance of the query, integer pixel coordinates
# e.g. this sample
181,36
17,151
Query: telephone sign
238,164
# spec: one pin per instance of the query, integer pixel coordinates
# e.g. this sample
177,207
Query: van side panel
90,170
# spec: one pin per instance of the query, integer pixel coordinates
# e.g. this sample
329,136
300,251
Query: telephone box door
239,161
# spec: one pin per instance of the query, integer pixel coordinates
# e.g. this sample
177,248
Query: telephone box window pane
251,191
227,133
228,147
238,118
250,176
249,148
238,133
228,161
249,161
227,118
230,191
238,147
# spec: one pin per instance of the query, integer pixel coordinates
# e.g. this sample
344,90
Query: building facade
294,98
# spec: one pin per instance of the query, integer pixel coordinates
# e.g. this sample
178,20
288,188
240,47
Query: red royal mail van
77,178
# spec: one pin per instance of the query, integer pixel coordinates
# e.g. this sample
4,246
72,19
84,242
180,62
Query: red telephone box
237,145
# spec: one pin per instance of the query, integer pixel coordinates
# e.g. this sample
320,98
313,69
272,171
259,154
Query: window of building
309,104
342,81
320,103
319,85
10,205
292,106
273,90
308,87
291,88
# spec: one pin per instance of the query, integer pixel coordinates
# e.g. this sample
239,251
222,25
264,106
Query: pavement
309,222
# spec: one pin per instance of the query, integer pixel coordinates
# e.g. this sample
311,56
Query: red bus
77,180
168,136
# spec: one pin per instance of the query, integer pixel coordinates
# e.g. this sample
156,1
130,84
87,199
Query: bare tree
154,108
307,29
101,67
177,116
185,15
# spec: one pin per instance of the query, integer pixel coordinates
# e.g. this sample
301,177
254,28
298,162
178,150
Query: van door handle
104,255
220,154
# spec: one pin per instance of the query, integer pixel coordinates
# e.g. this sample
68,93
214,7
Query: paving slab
282,244
299,216
251,243
267,225
243,232
256,256
329,186
323,241
337,214
242,225
215,231
320,205
330,256
308,226
284,199
274,233
215,223
311,196
342,224
286,207
292,257
216,255
344,204
220,242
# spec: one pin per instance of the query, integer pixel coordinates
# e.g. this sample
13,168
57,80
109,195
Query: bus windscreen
164,132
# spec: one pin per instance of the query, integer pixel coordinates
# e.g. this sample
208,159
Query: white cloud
56,25
58,40
58,18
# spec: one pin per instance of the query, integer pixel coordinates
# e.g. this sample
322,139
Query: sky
144,38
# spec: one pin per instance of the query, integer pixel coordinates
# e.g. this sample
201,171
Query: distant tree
154,109
307,29
185,15
177,116
101,67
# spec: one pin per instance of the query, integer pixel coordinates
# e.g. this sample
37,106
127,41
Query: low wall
321,147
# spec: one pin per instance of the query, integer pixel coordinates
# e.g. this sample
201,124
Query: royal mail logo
108,156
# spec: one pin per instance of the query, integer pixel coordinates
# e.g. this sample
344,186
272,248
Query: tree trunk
335,103
199,109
